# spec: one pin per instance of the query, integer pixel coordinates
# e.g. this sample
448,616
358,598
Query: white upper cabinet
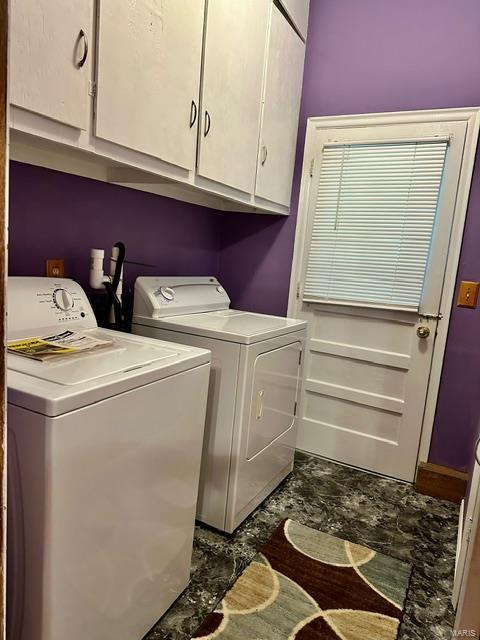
297,11
50,58
148,76
282,93
234,53
192,99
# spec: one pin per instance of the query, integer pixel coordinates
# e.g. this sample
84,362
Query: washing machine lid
74,381
70,370
234,326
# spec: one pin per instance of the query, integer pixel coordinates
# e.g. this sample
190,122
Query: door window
373,221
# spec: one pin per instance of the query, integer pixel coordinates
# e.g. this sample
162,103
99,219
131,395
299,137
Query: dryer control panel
159,297
39,305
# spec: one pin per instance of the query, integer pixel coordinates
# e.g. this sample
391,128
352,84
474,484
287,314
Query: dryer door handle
260,398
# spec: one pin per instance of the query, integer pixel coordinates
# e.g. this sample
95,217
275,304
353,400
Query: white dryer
254,391
103,465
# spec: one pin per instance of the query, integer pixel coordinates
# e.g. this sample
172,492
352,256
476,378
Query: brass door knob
423,332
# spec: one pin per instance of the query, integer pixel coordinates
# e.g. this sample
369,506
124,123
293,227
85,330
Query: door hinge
312,164
295,409
297,294
300,357
92,88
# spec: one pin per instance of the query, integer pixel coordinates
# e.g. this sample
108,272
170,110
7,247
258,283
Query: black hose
111,288
117,305
118,267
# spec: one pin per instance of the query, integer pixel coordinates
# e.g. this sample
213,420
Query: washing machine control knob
220,289
63,299
167,292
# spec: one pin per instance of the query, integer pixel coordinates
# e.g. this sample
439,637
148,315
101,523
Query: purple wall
458,408
368,56
56,215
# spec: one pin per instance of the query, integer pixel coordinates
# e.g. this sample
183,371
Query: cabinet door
49,65
235,42
297,11
149,60
283,87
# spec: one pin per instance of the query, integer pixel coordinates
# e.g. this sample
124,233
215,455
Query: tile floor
386,515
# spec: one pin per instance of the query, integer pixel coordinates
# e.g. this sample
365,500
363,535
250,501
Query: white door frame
472,117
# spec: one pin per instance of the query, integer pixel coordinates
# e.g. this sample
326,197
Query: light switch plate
468,294
55,268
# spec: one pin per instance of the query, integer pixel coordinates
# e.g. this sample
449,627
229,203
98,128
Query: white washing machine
103,465
254,389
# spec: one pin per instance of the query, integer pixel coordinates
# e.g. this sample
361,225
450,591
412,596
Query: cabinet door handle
264,154
83,36
208,122
193,113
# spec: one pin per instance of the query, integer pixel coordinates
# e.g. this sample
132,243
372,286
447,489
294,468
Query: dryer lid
228,324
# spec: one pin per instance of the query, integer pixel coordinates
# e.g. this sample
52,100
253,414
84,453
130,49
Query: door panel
339,328
149,59
235,41
362,385
352,372
274,396
46,48
283,88
367,370
351,417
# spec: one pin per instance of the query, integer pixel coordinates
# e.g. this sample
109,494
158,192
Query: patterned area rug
308,585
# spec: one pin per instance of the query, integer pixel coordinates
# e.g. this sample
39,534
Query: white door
282,93
297,11
234,53
370,298
50,51
468,530
149,60
466,590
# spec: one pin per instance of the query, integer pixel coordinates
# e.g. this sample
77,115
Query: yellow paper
36,347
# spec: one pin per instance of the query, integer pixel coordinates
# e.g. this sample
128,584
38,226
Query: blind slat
374,216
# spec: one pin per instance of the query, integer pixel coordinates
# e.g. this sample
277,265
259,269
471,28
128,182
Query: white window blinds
374,215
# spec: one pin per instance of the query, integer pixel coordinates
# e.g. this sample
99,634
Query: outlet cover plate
55,268
468,294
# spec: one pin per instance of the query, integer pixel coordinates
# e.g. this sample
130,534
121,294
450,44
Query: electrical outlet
55,268
468,294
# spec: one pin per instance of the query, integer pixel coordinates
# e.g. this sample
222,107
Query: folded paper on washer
62,344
